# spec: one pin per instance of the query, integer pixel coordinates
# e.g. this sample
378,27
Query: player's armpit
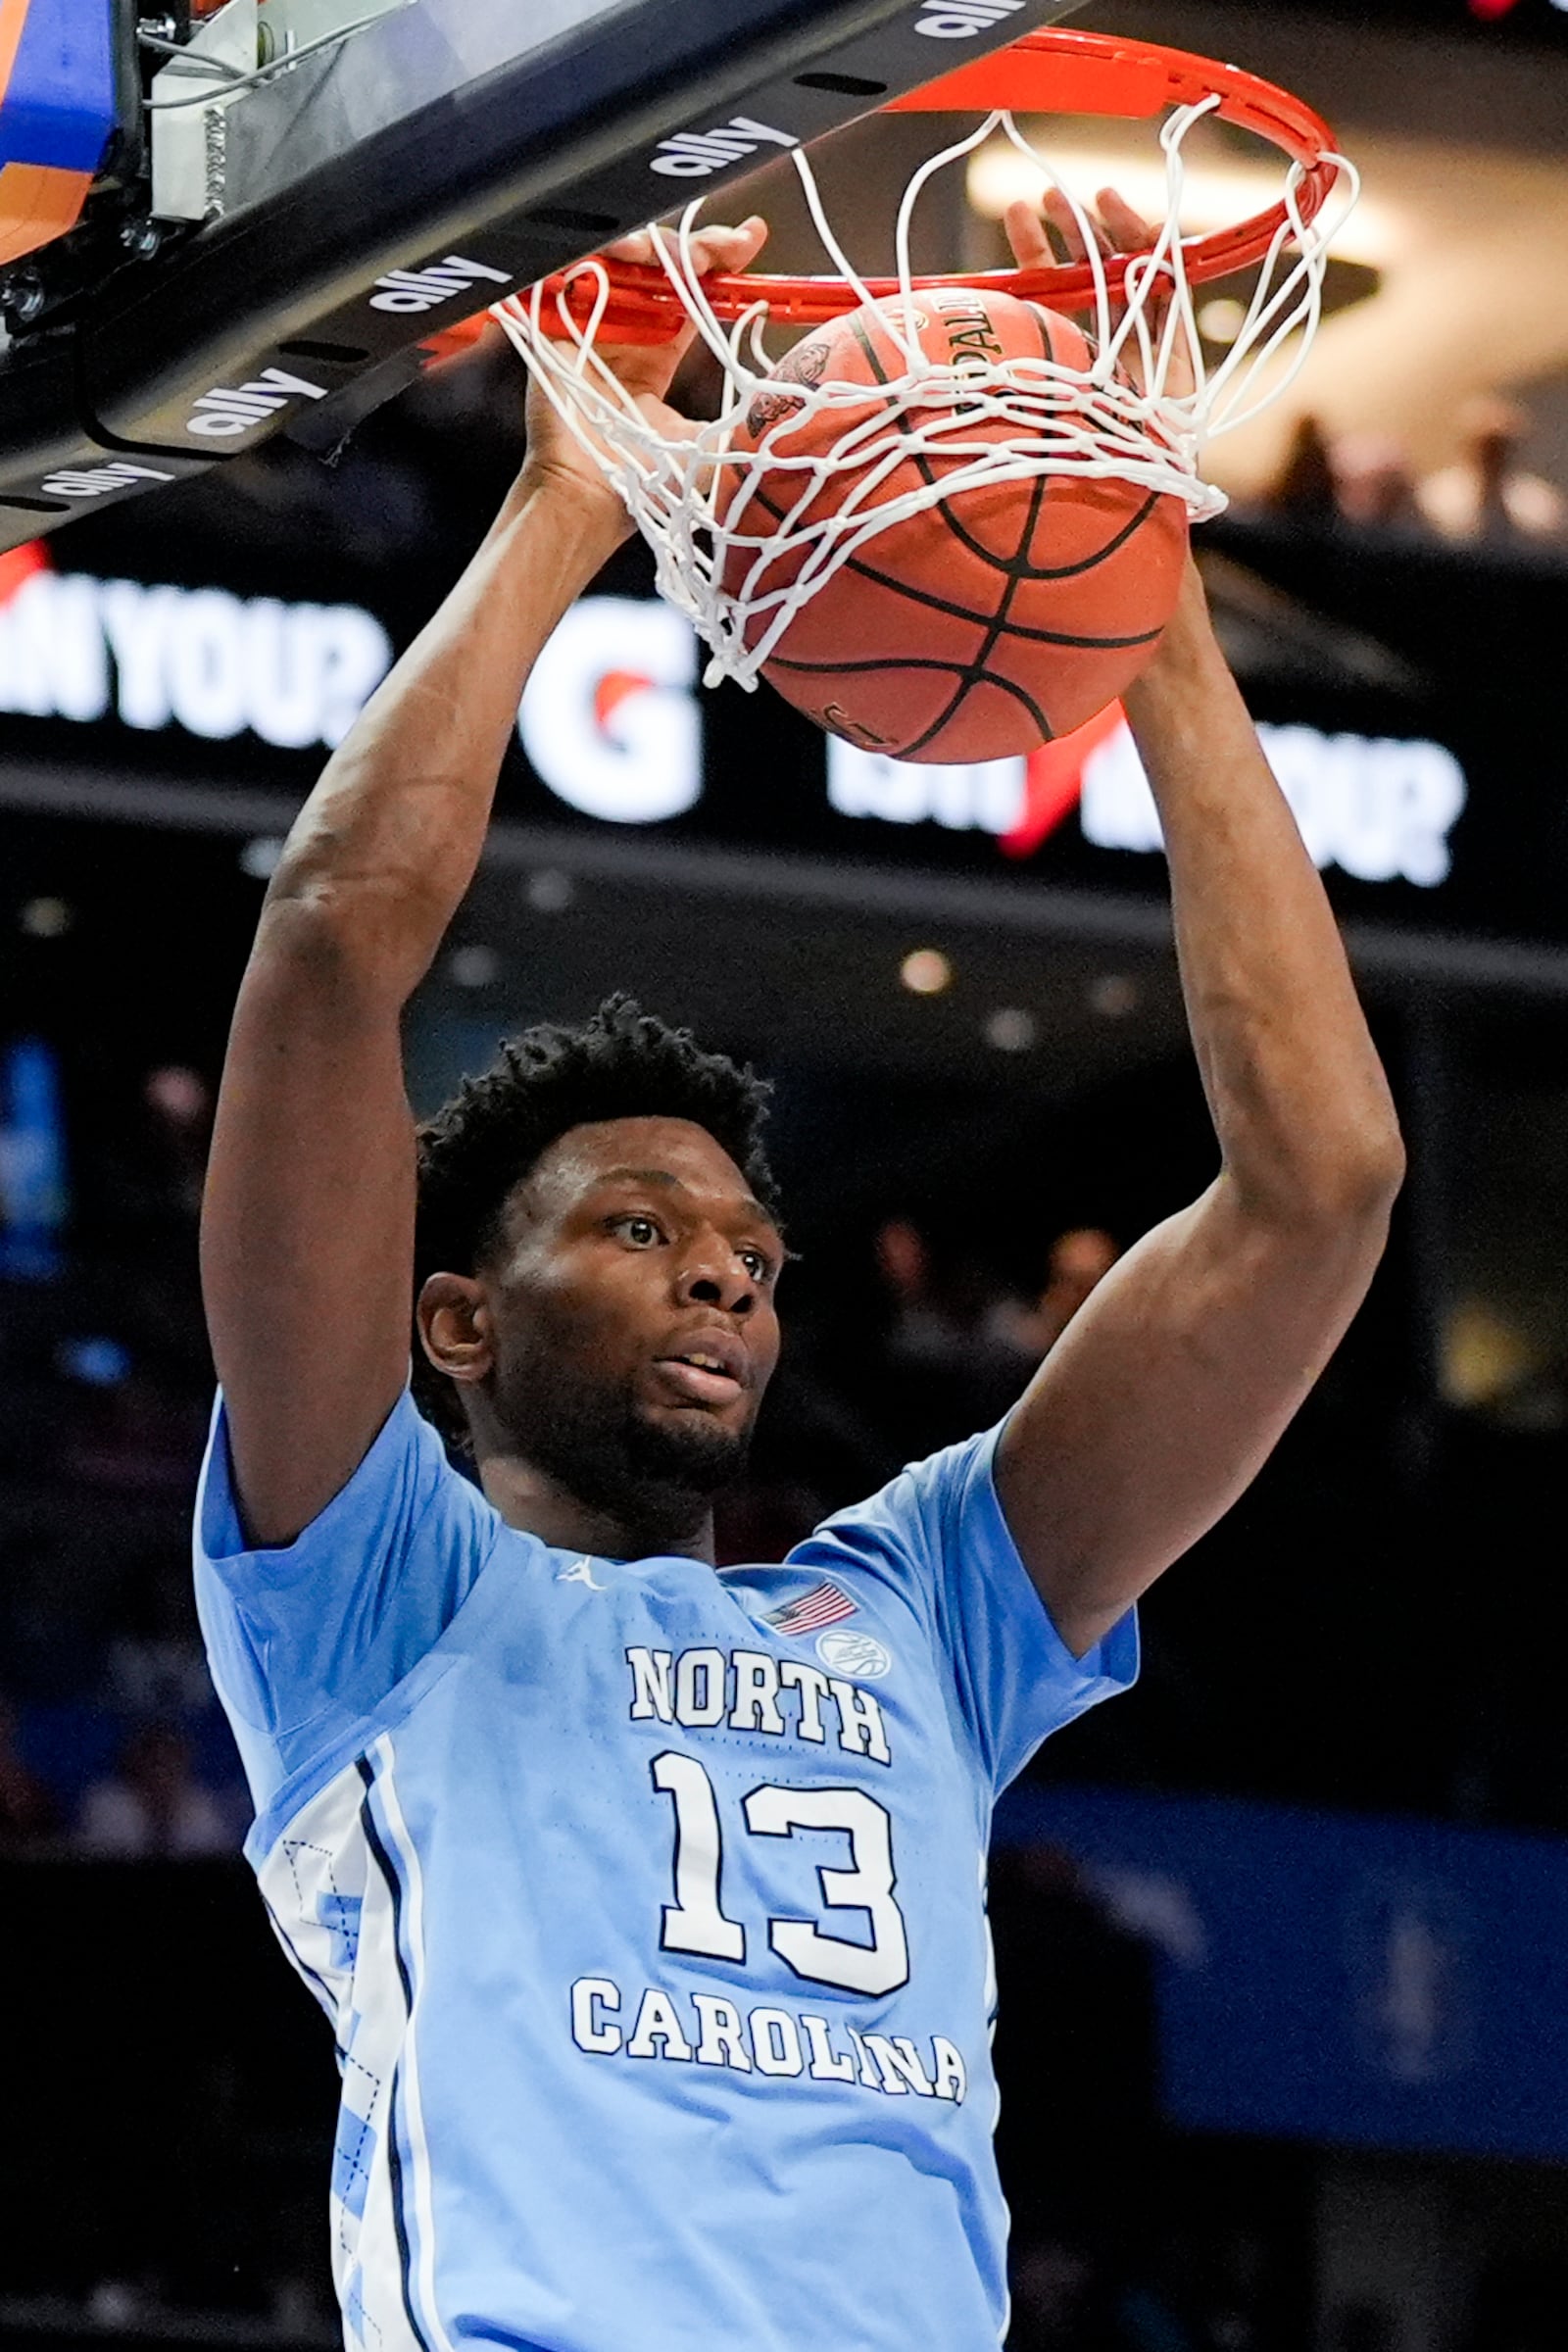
1170,1388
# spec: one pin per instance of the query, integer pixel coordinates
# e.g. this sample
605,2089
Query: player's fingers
1129,231
1026,234
729,249
638,247
1068,225
711,248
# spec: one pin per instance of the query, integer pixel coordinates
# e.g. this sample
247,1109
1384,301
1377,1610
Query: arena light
1221,318
926,972
46,918
1010,1029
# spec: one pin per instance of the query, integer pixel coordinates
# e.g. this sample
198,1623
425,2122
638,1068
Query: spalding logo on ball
1002,616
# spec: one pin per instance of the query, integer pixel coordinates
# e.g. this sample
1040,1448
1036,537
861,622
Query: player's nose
711,1275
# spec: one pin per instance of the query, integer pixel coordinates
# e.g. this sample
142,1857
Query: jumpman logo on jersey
581,1572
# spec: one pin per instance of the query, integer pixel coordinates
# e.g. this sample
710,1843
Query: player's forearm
387,842
1299,1098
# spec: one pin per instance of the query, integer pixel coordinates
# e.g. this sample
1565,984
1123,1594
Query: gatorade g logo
610,723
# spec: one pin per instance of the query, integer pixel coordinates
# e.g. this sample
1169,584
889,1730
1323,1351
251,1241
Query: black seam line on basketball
980,620
1013,568
1088,645
923,466
913,662
1069,571
1017,569
1029,572
1019,694
976,669
924,596
827,670
955,522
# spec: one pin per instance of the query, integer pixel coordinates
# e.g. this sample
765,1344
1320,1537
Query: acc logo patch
858,1654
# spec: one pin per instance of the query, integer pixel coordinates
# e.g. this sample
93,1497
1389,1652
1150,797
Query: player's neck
656,1523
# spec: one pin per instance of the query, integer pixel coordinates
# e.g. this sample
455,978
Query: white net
1141,412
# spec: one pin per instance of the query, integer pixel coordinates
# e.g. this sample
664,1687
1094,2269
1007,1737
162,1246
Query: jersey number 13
695,1922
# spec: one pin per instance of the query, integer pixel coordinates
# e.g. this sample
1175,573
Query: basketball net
694,499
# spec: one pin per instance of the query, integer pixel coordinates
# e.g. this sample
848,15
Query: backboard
409,175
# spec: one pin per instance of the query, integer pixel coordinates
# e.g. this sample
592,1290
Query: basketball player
647,1901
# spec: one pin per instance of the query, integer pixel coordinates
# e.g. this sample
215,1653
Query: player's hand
645,371
1051,232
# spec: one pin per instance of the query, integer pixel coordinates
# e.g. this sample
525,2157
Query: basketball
984,624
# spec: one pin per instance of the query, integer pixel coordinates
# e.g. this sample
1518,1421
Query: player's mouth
710,1369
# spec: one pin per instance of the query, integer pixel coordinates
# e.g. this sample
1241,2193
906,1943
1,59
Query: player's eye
757,1263
641,1232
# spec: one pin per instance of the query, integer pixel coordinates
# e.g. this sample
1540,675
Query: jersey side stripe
398,1858
302,1968
335,1916
389,1877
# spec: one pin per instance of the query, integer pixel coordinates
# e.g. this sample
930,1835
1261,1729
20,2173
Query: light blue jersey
647,1904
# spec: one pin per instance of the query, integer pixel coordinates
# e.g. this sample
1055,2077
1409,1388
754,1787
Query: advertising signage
612,725
1424,817
1333,1979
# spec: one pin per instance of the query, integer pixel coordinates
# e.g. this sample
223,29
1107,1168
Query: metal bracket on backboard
188,141
242,47
290,28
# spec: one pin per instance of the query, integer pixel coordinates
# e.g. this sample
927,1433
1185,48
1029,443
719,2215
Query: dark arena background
1281,1936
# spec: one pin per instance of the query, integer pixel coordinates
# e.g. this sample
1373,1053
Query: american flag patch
825,1604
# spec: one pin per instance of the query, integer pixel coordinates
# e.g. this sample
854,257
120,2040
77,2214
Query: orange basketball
988,623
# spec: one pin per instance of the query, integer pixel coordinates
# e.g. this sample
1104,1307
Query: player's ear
454,1326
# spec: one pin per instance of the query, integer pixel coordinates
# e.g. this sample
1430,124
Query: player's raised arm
308,1224
1169,1388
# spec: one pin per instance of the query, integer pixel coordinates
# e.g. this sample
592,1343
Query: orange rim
1052,72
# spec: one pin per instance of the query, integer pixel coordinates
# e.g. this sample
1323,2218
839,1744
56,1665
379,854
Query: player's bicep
308,1224
1167,1393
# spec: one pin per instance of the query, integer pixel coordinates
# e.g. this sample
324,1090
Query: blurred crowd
111,1739
1365,481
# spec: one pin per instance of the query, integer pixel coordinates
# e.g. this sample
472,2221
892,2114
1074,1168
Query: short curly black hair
621,1063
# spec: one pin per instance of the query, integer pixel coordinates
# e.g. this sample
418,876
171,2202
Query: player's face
634,1309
